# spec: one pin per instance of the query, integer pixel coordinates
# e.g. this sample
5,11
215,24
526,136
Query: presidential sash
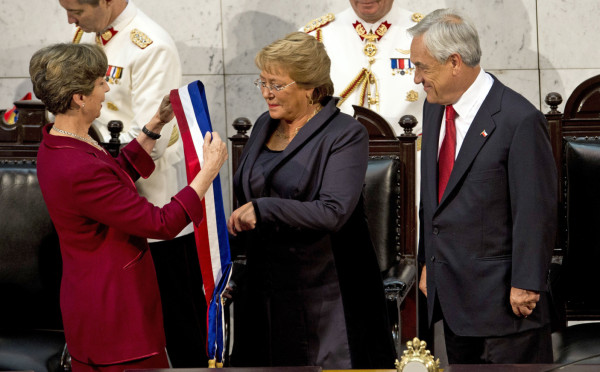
212,239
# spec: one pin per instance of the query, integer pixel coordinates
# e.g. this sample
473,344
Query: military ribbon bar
401,65
212,239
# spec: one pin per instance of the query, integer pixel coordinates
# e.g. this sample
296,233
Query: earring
83,105
310,101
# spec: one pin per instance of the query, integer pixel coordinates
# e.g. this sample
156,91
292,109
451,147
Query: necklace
281,134
91,141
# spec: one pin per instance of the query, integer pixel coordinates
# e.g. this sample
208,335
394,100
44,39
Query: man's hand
423,281
523,301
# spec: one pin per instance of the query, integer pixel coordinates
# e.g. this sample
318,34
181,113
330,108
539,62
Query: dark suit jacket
109,294
311,251
495,225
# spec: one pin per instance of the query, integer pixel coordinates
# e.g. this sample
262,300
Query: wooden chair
390,204
390,208
575,138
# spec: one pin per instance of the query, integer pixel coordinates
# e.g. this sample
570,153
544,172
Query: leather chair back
30,269
382,207
582,254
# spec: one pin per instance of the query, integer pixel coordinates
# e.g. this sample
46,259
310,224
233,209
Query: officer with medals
370,58
369,49
143,66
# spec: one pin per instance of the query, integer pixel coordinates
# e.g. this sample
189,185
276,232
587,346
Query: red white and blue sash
212,239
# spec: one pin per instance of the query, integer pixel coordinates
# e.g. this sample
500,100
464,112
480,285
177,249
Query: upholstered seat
31,336
382,207
577,291
574,279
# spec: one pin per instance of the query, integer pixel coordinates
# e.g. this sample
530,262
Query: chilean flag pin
483,134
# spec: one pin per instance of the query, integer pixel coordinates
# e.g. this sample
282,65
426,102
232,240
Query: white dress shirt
466,108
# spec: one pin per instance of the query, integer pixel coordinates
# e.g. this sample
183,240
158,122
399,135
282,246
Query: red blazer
109,294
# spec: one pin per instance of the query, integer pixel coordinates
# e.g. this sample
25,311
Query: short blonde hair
61,70
303,58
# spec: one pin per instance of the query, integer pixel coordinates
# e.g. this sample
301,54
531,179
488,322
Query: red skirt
156,361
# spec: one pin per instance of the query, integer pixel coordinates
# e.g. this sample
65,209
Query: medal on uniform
365,79
401,66
113,74
370,48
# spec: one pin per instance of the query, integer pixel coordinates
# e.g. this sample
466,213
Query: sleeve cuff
256,210
191,203
139,159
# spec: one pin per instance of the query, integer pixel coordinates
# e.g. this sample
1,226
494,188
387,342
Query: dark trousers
183,303
529,347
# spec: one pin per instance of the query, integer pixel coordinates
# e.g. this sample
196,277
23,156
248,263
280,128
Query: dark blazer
314,292
109,294
495,225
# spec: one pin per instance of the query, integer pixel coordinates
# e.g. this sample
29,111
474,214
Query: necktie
447,152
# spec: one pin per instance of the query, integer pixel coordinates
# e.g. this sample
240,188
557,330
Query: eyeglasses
278,88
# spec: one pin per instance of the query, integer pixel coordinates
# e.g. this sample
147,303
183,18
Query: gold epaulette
417,17
139,38
319,22
78,35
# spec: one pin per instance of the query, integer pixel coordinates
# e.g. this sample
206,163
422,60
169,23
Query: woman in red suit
109,295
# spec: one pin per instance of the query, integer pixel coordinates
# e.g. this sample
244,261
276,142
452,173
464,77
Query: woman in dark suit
313,294
109,294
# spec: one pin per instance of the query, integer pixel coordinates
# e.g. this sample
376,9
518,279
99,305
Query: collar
469,103
123,19
392,17
58,142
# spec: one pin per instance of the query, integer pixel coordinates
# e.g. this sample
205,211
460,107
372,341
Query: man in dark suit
488,202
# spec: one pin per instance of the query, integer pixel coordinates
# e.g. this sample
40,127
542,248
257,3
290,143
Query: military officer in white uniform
143,66
369,49
370,58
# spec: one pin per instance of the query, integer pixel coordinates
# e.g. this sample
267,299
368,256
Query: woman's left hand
242,219
165,110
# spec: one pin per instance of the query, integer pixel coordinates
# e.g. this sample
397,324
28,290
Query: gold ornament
112,106
319,22
412,96
78,35
107,35
172,140
139,38
417,17
418,356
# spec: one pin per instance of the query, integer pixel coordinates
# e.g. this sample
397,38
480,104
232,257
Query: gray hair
446,32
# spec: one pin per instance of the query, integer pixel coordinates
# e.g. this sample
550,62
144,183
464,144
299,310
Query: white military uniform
392,87
144,65
391,69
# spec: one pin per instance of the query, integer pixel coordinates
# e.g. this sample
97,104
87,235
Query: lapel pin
483,134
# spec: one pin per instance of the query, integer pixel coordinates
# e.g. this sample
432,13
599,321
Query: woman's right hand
215,154
242,219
